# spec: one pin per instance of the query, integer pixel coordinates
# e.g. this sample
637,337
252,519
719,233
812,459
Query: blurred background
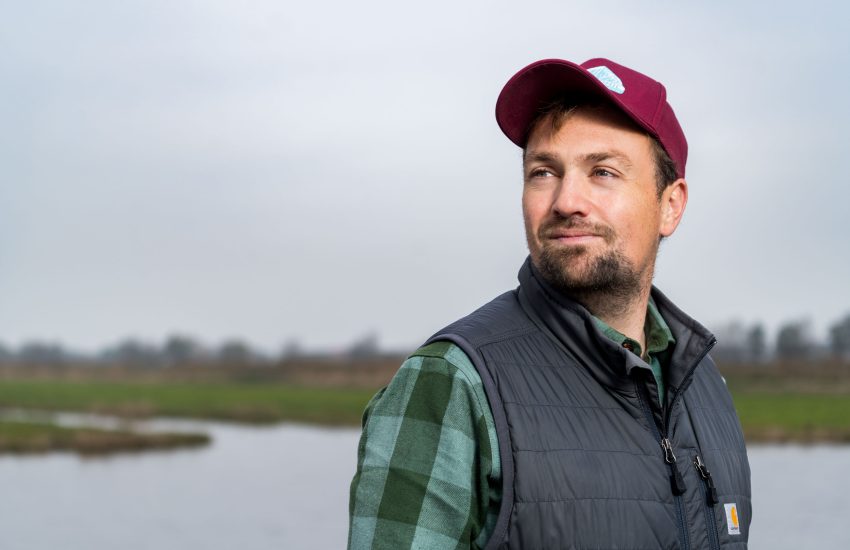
223,226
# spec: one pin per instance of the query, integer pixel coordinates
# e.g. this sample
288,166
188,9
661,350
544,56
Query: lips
575,240
574,231
571,234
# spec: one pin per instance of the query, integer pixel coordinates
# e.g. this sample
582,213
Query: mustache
552,227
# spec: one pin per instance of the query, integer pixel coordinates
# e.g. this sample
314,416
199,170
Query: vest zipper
686,380
677,482
710,493
711,490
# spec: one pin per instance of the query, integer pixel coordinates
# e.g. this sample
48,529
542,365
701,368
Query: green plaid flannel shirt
428,469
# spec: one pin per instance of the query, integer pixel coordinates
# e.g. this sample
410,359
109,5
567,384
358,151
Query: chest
588,469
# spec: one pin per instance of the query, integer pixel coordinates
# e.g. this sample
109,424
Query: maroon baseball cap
643,99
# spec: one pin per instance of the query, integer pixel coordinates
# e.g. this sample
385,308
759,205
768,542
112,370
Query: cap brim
539,84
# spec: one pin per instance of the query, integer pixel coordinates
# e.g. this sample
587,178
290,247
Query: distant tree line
177,351
737,343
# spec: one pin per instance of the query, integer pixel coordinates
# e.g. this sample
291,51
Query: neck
622,308
626,316
615,292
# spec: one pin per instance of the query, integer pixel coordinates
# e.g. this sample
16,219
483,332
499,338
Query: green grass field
243,402
799,417
772,413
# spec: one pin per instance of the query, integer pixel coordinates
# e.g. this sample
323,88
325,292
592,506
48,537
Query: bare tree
731,342
180,350
756,342
365,347
793,340
5,354
40,353
291,350
235,352
134,353
839,337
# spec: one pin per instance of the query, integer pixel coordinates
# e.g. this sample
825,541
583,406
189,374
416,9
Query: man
580,410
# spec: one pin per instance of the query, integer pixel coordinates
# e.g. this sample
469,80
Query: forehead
592,126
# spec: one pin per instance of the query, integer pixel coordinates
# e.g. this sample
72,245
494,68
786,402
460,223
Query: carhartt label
732,519
607,77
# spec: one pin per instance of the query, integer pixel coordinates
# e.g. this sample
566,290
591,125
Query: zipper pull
669,457
711,493
677,482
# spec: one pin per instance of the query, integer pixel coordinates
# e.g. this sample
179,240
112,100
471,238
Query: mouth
576,239
573,236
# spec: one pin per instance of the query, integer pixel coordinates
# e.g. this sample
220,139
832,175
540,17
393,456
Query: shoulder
436,389
708,388
445,356
493,321
431,376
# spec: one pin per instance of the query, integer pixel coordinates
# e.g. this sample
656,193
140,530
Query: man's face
592,213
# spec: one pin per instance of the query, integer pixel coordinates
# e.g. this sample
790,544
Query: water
286,487
282,487
800,497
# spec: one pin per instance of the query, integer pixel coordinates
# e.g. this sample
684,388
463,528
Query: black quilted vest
589,459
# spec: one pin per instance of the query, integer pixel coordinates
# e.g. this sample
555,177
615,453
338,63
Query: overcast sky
323,170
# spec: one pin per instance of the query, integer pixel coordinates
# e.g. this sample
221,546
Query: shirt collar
658,335
572,327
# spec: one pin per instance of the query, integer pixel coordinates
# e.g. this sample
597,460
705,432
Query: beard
606,282
609,274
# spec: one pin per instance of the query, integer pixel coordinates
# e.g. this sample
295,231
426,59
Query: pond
286,487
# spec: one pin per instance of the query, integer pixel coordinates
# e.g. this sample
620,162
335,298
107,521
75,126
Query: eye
541,173
604,173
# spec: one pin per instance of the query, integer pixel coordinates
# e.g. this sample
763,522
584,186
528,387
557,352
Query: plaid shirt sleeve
428,470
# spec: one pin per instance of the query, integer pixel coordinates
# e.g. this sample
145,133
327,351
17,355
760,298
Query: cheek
642,232
634,222
534,208
530,227
531,221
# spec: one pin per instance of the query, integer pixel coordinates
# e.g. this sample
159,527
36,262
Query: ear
673,202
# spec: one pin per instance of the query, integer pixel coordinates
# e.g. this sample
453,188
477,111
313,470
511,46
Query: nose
572,197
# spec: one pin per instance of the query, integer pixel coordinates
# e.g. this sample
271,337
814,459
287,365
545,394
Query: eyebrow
589,158
602,156
539,156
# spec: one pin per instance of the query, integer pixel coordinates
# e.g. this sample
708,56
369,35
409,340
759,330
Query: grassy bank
26,437
242,402
784,403
800,402
788,417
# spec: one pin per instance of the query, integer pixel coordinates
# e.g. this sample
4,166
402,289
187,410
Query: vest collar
571,326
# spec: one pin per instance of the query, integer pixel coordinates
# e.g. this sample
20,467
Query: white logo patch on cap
607,77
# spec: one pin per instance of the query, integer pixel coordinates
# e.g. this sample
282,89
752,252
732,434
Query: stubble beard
606,283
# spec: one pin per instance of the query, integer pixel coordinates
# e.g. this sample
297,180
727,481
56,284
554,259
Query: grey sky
323,170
